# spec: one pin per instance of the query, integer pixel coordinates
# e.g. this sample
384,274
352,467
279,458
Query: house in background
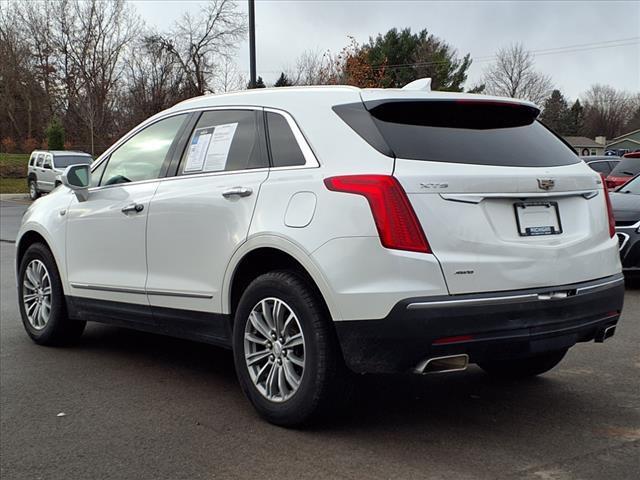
629,142
586,147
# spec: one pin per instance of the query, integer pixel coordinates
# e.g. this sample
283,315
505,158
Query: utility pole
252,45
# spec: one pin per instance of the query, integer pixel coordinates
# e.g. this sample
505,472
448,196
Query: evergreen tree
55,135
259,83
283,81
407,56
575,119
555,114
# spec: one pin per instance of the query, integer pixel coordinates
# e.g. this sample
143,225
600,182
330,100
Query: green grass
13,185
19,159
13,172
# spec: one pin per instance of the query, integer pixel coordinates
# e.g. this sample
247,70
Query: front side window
285,151
40,160
224,140
143,155
47,162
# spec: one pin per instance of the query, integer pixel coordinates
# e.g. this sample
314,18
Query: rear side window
601,167
32,159
627,167
466,131
285,151
225,140
40,160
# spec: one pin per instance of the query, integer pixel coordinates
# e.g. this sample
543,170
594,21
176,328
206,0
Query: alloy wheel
36,294
274,349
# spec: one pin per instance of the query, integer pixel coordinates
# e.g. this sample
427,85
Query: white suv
313,229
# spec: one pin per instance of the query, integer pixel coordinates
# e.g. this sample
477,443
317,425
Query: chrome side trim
108,288
140,291
599,286
173,293
474,301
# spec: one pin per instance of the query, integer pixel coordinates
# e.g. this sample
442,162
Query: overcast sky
284,29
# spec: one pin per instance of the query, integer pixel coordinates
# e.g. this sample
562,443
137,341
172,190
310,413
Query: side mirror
77,178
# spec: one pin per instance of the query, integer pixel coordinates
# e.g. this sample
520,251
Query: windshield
63,161
632,187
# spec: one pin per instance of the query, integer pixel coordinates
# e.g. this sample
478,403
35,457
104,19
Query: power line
621,42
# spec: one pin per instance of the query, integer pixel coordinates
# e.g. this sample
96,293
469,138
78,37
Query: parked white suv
46,167
311,229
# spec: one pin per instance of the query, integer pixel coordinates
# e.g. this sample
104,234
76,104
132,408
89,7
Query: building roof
583,142
622,137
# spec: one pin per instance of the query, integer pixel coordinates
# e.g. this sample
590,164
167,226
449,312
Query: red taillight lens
395,219
612,221
615,182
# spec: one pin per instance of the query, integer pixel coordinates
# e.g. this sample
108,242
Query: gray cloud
284,29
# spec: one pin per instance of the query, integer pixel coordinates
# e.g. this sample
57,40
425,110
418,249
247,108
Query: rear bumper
500,325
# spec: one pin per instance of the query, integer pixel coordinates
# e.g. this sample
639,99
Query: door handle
237,191
133,207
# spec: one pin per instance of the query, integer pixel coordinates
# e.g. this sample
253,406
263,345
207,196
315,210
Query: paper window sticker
198,149
216,159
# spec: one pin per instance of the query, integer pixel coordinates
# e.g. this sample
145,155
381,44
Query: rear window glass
626,167
63,161
600,167
472,132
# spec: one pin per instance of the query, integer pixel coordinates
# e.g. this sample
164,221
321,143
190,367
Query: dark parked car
628,166
626,211
602,163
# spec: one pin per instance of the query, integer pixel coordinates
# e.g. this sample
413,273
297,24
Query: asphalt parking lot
138,405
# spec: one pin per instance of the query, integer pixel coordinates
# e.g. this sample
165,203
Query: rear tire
308,378
41,300
523,367
34,193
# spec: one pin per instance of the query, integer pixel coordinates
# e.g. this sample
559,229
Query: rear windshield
63,161
626,167
473,132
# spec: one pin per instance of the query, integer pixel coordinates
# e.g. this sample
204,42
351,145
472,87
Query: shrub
12,170
8,144
55,135
29,145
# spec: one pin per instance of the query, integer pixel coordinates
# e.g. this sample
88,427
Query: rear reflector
395,219
612,221
447,340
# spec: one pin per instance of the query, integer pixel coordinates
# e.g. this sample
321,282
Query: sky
577,43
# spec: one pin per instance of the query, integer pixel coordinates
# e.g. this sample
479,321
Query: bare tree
92,36
310,68
227,77
513,75
607,111
198,42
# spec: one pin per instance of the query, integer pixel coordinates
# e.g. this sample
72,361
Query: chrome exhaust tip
605,333
450,363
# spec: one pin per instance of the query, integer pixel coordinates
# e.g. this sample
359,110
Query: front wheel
34,193
41,299
523,367
286,354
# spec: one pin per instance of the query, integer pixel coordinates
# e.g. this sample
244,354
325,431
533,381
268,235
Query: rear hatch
505,204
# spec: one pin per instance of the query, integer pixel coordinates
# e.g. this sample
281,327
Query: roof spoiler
421,84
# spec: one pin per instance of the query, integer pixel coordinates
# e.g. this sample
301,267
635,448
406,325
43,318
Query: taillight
395,219
612,221
615,182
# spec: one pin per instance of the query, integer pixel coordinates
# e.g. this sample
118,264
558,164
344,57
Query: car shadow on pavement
463,401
